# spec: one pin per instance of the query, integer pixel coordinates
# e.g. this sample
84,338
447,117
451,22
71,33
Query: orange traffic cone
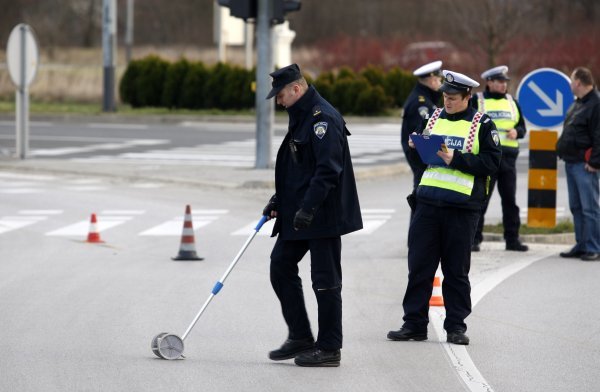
436,296
94,234
187,249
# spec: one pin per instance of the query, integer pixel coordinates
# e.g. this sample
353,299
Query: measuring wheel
167,346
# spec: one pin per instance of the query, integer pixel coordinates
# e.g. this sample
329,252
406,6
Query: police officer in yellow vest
504,110
449,199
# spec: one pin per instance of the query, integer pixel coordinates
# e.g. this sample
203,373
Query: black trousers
439,235
326,276
506,177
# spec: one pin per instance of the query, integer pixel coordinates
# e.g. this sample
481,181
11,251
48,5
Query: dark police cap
455,83
282,77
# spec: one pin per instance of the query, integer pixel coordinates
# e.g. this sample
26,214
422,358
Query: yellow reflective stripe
448,179
502,124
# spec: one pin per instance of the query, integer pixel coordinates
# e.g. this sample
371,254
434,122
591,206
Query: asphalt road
80,317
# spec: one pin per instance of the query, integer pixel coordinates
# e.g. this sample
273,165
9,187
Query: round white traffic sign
22,55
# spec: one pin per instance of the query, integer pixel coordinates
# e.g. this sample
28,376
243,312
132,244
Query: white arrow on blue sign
545,95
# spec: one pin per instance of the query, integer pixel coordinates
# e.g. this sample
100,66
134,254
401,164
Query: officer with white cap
505,111
449,199
420,104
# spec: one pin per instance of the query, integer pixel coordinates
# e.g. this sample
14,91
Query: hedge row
184,84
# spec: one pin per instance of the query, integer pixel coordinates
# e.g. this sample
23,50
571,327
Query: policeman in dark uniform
505,111
449,199
420,104
315,203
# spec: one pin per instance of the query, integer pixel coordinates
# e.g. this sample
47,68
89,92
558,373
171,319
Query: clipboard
428,146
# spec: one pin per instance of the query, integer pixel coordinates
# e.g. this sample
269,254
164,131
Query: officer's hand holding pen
446,155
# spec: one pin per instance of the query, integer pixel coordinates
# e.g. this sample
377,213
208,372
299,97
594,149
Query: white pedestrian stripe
9,223
373,219
174,227
97,147
41,212
81,229
24,219
265,230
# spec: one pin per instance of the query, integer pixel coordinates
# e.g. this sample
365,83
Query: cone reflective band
541,195
436,295
94,234
187,248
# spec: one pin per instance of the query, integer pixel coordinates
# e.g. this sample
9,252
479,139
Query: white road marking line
9,223
19,191
147,185
84,188
369,226
123,212
82,228
41,212
128,143
174,227
117,126
200,218
30,177
458,355
265,230
31,123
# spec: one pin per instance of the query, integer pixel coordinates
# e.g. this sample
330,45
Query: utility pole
265,109
129,31
109,45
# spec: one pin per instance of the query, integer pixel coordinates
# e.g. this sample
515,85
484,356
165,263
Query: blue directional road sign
545,95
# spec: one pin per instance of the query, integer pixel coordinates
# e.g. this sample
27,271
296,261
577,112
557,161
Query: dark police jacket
419,106
481,166
321,177
581,131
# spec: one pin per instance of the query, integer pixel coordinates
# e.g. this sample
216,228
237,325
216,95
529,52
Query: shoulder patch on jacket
320,129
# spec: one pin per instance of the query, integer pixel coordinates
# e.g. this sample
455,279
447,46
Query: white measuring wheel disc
170,346
154,344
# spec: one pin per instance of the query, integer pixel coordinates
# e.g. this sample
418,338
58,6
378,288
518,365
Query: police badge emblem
424,112
496,137
320,129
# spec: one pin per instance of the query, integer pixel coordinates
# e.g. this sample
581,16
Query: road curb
559,238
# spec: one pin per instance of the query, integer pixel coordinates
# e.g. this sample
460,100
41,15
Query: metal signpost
544,95
109,47
22,57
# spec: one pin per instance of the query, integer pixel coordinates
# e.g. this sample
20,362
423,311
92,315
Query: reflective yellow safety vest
504,114
442,182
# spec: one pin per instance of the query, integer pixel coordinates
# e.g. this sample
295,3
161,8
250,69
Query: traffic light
282,7
243,9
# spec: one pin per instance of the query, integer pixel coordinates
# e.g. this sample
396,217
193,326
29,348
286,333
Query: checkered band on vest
434,117
473,131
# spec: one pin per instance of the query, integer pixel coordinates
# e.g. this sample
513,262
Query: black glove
302,219
272,205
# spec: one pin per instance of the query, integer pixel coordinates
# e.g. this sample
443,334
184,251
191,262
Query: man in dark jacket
419,105
315,203
579,147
